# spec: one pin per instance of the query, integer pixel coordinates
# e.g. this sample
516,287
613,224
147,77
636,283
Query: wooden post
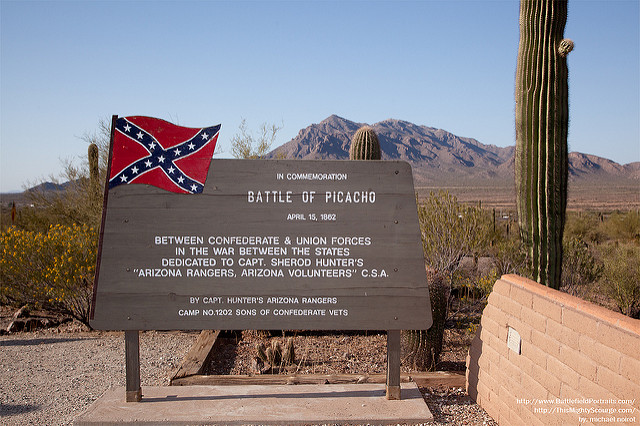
393,364
132,362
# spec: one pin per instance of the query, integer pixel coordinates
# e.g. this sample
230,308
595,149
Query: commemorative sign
263,244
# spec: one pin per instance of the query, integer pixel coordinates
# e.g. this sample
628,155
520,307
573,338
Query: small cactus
93,163
365,145
94,180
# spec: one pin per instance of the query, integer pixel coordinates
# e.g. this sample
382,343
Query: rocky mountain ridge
435,154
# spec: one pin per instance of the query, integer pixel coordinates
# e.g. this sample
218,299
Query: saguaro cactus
542,118
365,145
94,183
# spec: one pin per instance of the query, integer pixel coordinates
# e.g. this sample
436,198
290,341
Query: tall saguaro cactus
542,121
365,145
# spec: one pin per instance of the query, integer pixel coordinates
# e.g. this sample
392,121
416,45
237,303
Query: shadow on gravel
39,341
11,409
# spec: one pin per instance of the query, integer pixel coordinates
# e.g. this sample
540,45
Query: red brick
563,334
490,326
504,411
515,419
580,322
497,315
590,389
631,410
619,339
520,362
490,404
568,418
522,296
502,287
606,315
621,387
564,373
510,369
568,392
500,346
547,307
529,418
534,389
630,369
536,320
579,363
506,305
483,392
601,354
475,350
524,330
536,355
490,381
546,380
545,343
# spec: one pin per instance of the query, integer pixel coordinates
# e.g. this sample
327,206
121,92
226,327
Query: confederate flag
155,152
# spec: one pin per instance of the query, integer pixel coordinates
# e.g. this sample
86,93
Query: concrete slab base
259,404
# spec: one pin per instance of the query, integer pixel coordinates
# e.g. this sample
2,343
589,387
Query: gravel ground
50,378
52,375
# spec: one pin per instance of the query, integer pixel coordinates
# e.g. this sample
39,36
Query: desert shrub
623,226
246,145
450,231
509,255
621,277
473,290
52,270
584,226
580,268
80,198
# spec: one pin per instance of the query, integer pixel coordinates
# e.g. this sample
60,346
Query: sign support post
393,365
132,367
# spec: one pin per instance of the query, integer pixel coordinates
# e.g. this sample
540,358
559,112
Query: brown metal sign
268,244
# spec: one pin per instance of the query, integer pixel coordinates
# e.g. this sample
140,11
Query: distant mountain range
435,154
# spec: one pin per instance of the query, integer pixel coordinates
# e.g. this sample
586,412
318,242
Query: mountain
435,154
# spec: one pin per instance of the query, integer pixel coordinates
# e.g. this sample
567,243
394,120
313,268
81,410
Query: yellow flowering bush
52,270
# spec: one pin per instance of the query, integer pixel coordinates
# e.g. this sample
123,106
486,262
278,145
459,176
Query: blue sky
65,65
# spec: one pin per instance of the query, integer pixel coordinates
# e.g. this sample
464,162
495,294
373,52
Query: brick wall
572,356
